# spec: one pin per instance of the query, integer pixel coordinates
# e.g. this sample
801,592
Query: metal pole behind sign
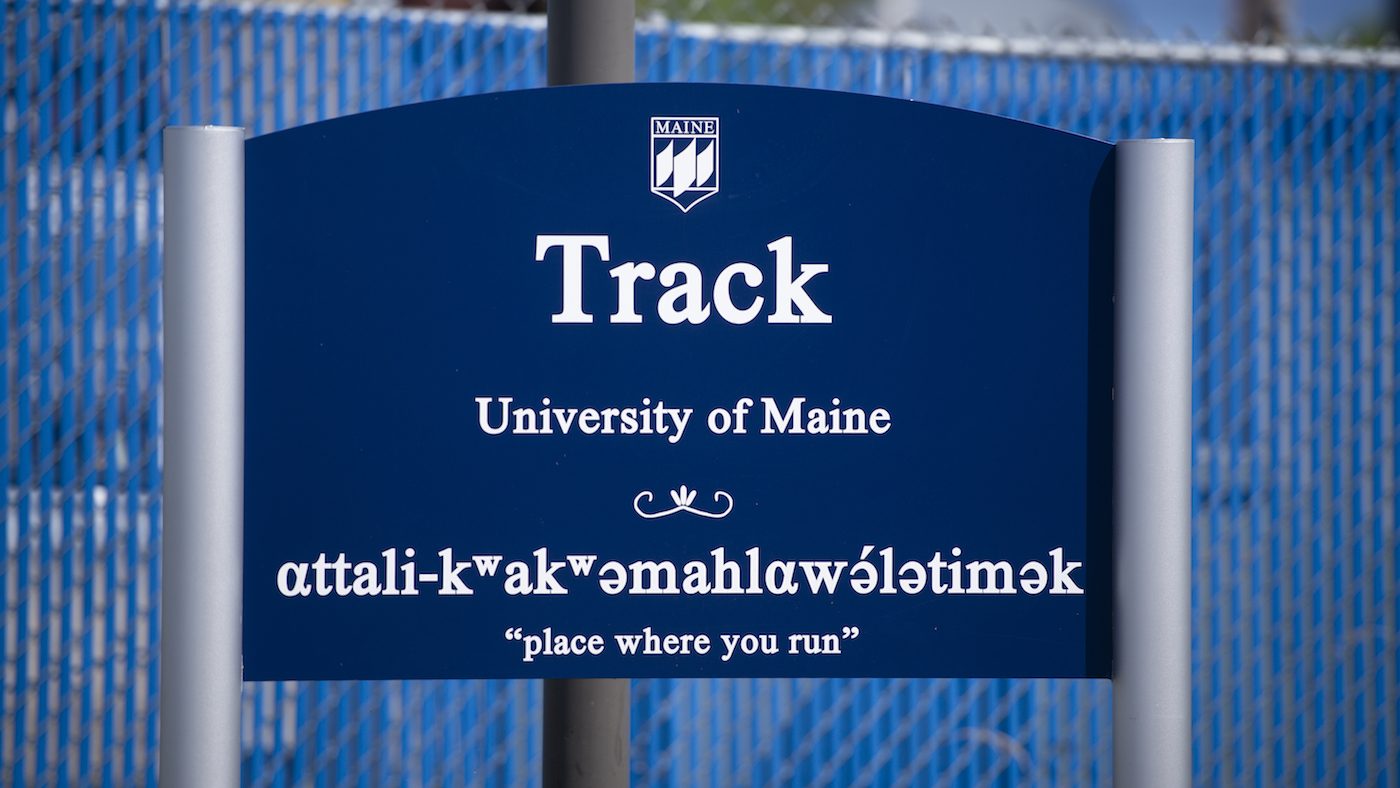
201,663
591,41
1152,465
587,732
587,722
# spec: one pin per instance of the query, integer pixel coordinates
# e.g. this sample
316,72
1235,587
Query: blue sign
677,380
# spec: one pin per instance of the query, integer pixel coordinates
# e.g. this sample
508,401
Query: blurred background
1332,21
1293,107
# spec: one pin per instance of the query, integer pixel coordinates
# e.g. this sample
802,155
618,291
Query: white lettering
573,246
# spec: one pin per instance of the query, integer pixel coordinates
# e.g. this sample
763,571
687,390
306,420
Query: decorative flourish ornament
683,498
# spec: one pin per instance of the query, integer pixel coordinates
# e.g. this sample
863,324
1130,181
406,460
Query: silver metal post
587,722
201,662
591,41
1152,465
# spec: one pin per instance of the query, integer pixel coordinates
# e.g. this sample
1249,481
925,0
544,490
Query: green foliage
769,12
1369,34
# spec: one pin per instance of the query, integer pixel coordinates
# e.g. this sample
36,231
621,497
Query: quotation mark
850,633
515,633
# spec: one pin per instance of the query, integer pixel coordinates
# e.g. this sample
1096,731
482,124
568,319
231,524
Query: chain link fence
1295,550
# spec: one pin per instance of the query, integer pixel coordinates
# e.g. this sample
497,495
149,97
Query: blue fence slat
66,427
363,74
320,26
277,32
302,108
343,65
9,750
223,32
43,424
196,29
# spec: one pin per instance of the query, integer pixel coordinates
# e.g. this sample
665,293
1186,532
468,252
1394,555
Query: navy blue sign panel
677,380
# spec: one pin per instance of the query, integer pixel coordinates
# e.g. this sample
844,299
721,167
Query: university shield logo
684,159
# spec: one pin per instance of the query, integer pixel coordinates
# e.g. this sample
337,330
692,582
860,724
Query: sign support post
587,722
1152,465
202,539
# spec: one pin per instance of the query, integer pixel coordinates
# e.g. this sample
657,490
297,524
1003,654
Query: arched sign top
536,380
722,97
567,120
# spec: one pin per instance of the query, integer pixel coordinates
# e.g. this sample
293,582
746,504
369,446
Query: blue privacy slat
258,30
302,109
